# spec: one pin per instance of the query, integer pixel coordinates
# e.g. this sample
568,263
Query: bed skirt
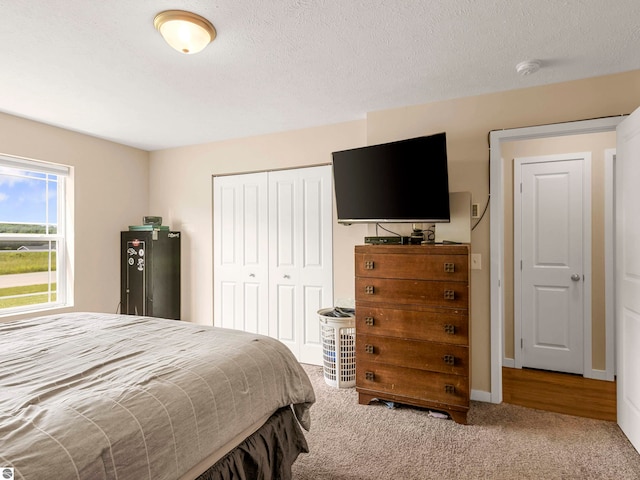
267,454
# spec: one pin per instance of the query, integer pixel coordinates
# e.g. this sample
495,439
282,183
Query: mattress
106,396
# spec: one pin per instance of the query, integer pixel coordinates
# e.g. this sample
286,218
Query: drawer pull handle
368,289
370,376
369,321
368,265
368,348
449,388
449,295
449,359
449,267
450,329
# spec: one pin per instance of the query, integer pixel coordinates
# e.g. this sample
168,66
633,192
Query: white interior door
240,253
628,276
300,257
549,246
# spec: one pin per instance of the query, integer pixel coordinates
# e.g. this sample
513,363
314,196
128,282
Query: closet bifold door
240,252
300,257
273,267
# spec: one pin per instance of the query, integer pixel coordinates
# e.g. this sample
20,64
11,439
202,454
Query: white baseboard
593,373
509,362
599,375
481,396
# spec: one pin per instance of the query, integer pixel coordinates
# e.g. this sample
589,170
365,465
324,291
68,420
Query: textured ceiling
100,67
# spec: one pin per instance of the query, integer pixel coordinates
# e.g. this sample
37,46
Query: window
33,237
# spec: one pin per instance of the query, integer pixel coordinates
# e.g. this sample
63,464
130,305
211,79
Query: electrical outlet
476,261
475,210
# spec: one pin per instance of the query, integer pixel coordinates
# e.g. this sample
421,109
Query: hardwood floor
559,392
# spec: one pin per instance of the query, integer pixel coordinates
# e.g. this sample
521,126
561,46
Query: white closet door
273,255
300,257
240,253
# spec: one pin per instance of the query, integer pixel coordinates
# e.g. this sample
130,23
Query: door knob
575,277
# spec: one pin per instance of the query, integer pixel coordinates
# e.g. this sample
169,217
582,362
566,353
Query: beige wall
596,144
111,193
181,182
116,185
468,122
181,178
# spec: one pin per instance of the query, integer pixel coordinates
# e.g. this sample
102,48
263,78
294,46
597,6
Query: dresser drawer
421,267
409,292
427,324
408,382
437,357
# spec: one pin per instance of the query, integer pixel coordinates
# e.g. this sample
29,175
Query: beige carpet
357,442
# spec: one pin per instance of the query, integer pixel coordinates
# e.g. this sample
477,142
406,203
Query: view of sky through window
28,197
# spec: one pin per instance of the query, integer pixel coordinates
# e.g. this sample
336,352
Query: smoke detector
528,67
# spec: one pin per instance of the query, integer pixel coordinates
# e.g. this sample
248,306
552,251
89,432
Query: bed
107,396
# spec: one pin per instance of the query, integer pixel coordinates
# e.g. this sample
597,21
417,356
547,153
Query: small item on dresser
417,236
430,234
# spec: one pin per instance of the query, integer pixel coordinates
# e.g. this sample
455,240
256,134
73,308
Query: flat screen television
406,181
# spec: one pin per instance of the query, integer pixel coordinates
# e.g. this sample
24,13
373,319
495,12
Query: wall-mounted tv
406,181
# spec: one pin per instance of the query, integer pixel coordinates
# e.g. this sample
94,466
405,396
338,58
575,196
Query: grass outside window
26,295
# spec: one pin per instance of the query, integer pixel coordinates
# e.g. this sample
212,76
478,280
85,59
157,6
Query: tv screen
406,181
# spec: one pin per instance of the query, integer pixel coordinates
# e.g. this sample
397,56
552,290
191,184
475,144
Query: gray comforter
102,396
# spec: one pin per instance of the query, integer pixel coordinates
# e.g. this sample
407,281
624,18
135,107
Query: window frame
61,276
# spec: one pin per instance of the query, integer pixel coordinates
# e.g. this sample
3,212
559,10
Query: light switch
476,261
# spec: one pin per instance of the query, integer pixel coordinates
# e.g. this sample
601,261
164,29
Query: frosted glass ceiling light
185,31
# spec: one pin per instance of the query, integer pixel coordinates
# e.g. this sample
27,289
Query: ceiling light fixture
185,31
528,67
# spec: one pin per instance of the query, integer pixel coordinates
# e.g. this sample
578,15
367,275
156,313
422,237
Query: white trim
508,362
517,263
481,396
609,263
599,375
587,260
496,194
35,165
497,225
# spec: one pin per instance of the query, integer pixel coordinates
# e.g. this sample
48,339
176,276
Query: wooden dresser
412,326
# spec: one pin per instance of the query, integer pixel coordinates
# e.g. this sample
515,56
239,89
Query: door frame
609,254
496,193
585,157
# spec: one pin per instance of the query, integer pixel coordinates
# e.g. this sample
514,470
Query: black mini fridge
150,273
